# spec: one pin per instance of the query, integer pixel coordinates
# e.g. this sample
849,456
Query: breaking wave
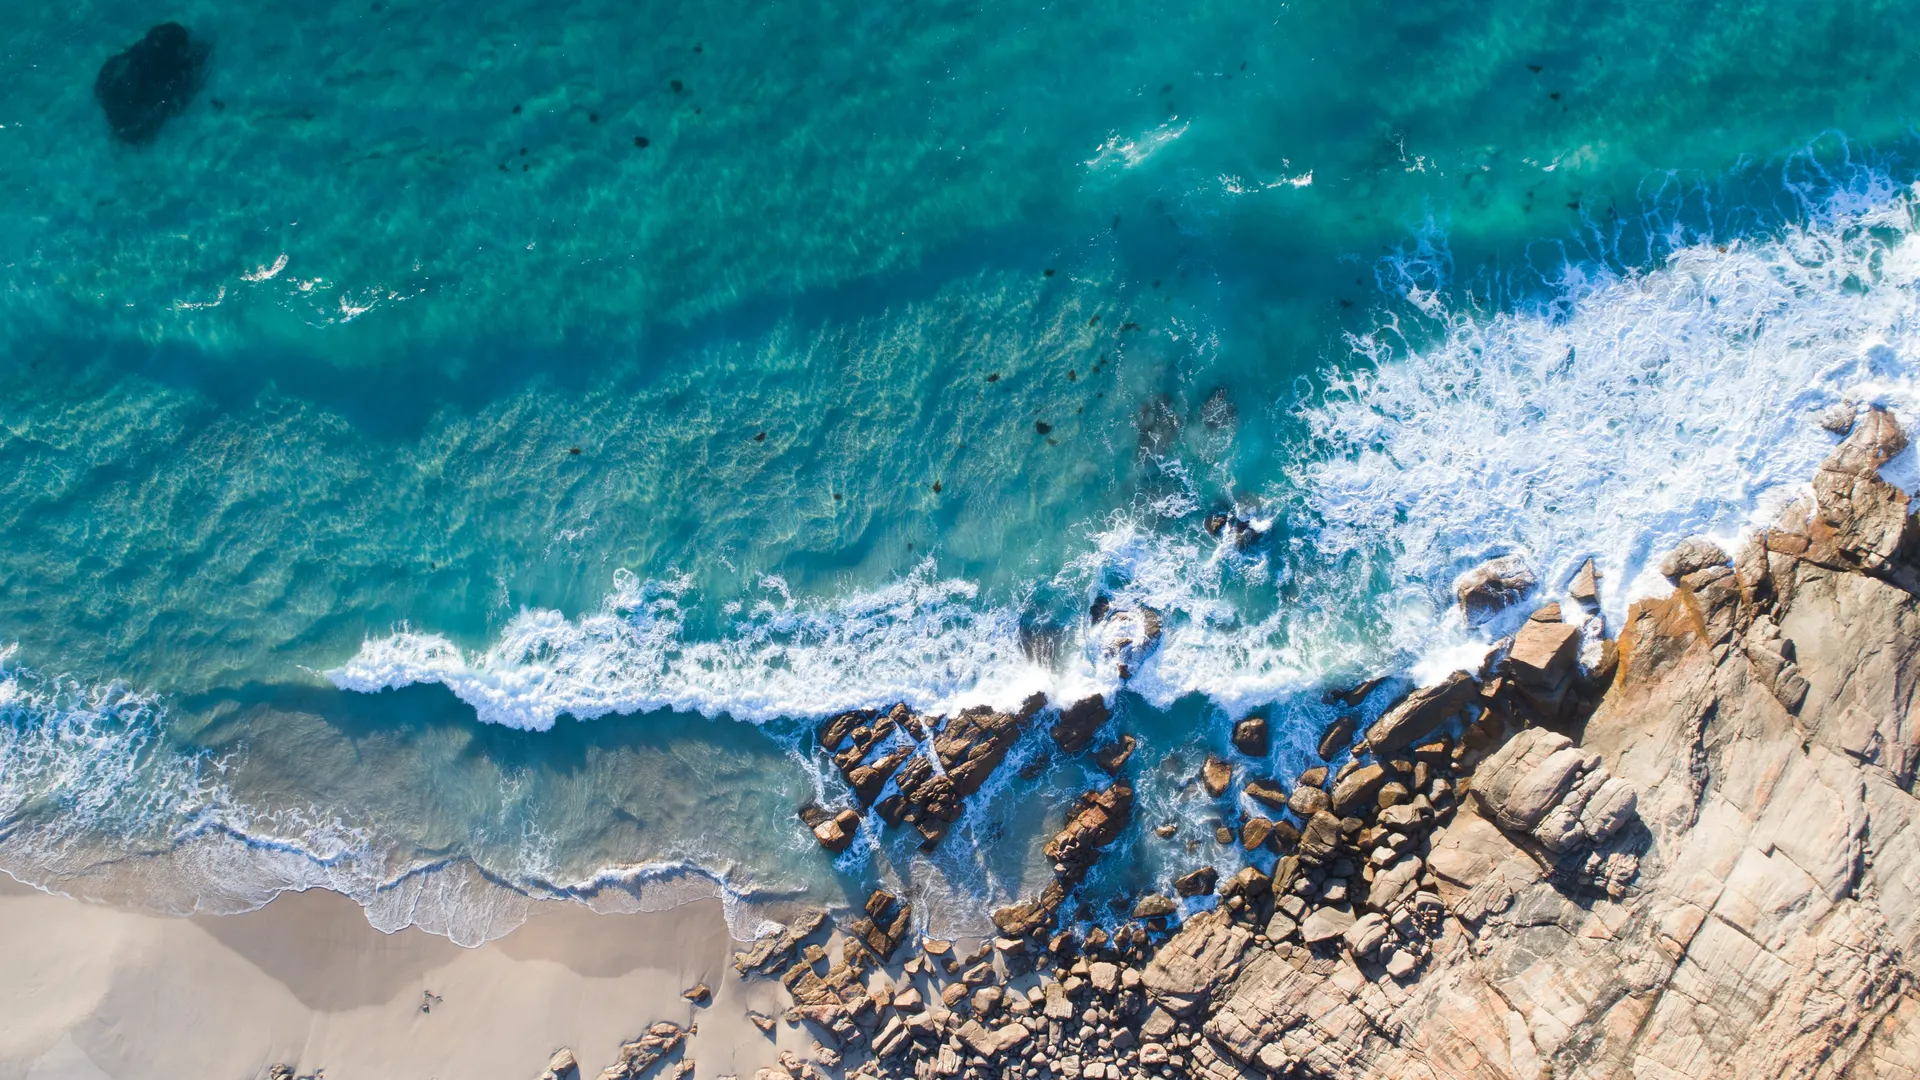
1623,412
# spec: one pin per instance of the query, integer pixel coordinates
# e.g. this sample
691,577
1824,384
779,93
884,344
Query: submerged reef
150,82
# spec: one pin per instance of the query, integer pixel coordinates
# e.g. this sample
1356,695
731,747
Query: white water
1630,412
1627,414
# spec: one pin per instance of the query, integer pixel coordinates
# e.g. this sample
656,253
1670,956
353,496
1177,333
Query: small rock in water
1215,775
1152,906
1198,883
1267,794
1250,736
151,81
1838,418
1585,586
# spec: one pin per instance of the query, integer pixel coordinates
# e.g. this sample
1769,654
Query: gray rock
1365,936
1326,923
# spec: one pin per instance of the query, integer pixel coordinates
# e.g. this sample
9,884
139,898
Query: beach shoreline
94,991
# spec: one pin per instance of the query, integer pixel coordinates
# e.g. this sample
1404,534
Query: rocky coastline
1682,847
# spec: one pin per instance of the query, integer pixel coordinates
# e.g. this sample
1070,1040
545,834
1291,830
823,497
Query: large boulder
1250,736
1337,737
151,81
1215,775
1692,555
1354,793
1421,713
1543,660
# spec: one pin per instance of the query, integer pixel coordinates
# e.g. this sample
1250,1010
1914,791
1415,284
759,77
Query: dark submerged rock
153,80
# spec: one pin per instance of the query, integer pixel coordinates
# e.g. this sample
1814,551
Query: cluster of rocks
1685,852
912,769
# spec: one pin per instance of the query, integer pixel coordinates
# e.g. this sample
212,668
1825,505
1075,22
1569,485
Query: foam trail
1627,411
920,640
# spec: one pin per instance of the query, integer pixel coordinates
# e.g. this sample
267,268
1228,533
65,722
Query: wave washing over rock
1690,857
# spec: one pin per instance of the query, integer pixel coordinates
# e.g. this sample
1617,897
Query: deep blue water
907,332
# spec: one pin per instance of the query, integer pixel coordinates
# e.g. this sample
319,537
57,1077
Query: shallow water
295,390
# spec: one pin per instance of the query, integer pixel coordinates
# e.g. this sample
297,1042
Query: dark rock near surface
1267,794
1078,722
1113,757
1250,737
150,82
1337,737
1352,695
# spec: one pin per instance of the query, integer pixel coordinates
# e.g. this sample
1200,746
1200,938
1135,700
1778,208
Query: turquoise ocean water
460,456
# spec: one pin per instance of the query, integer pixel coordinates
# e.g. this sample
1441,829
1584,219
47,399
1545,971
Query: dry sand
88,991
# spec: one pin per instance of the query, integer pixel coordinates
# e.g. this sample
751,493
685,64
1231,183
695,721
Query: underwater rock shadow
151,81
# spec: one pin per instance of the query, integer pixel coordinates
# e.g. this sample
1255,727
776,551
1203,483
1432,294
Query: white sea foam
1630,411
922,640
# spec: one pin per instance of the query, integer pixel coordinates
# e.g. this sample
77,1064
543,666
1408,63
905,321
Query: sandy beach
90,991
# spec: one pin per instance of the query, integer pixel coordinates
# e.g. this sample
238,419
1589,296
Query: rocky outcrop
898,749
1095,820
1697,857
1542,785
643,1053
1710,882
152,81
561,1064
1078,723
1123,637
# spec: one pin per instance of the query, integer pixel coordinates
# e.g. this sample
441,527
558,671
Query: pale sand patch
89,991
